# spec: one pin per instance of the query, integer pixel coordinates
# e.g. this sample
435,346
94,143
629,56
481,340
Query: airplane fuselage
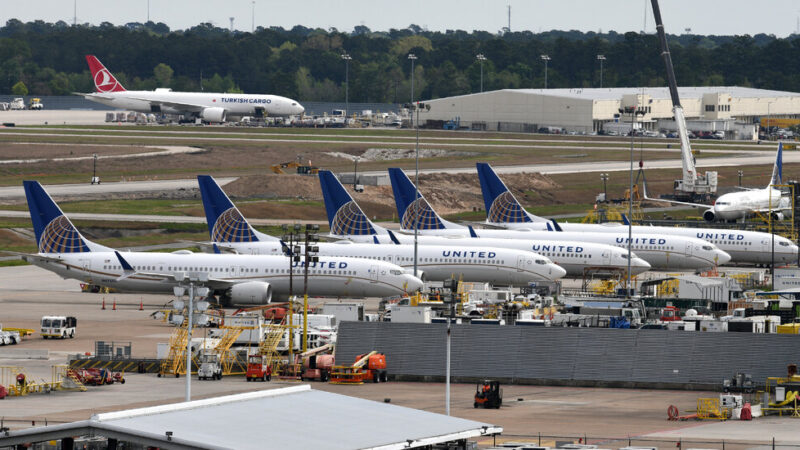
331,277
168,102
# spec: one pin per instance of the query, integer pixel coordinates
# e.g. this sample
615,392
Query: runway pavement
56,190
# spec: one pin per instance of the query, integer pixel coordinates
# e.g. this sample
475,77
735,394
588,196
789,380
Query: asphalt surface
604,416
111,187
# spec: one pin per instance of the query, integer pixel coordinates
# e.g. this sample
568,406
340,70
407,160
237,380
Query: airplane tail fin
54,232
344,215
225,222
501,205
777,169
103,80
411,209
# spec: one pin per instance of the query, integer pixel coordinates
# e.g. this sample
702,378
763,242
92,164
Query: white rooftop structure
707,108
296,417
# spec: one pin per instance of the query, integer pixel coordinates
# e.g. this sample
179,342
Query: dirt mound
447,193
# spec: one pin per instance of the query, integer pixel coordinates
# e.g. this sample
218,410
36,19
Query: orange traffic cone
104,304
141,305
114,306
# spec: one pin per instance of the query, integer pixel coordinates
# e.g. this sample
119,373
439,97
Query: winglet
777,169
472,232
549,227
375,239
393,237
556,226
625,219
285,247
216,249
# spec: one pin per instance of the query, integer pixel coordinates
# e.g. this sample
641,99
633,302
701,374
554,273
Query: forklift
488,394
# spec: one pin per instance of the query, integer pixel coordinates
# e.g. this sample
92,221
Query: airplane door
259,112
373,274
606,257
86,266
688,249
520,263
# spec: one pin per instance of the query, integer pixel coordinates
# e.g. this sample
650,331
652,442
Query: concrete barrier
23,353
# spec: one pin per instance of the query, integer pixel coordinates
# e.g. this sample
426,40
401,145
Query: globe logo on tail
232,227
426,217
59,236
506,209
350,220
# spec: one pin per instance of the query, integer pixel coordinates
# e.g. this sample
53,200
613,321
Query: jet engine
213,114
250,293
709,215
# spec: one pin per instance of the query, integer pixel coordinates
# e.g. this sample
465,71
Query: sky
720,17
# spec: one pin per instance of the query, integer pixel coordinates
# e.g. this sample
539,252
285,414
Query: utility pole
346,57
413,58
601,58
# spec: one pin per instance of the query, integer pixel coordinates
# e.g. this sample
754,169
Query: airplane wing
128,271
676,202
190,107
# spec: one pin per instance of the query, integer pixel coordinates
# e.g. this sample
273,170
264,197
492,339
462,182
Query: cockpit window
707,248
785,244
623,255
396,272
541,261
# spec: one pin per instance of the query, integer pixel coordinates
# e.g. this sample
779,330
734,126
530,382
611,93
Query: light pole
769,119
290,236
481,58
253,17
346,57
604,177
601,58
94,170
413,58
740,173
633,111
310,253
545,58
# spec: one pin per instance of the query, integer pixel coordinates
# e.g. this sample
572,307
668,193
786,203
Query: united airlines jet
211,107
240,279
579,259
748,247
500,266
662,252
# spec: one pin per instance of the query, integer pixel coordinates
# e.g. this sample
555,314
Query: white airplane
241,279
211,107
738,205
750,247
500,266
662,252
347,221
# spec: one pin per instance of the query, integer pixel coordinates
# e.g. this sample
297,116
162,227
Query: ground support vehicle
488,394
210,367
258,368
369,366
58,327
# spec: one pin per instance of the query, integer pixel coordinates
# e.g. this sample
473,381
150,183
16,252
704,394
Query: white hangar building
735,110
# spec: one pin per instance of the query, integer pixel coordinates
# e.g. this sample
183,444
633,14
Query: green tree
19,89
163,74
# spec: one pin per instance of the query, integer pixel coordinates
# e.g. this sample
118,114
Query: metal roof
689,92
296,417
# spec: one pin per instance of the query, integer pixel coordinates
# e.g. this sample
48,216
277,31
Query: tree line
41,58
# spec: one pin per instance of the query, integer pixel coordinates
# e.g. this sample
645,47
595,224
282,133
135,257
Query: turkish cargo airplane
738,205
229,229
239,279
749,247
211,107
579,259
662,252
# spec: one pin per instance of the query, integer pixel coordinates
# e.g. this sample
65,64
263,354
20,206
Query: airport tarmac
599,414
53,117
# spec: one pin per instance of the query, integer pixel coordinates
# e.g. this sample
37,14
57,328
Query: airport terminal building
732,109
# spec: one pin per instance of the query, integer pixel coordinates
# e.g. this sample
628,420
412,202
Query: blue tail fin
54,232
344,215
501,205
404,197
777,169
556,226
225,222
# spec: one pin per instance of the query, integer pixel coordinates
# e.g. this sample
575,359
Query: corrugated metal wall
571,355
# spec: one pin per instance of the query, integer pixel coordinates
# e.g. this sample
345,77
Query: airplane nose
722,257
299,109
638,265
557,272
412,283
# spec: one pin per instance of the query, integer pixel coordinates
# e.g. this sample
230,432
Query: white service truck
58,327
